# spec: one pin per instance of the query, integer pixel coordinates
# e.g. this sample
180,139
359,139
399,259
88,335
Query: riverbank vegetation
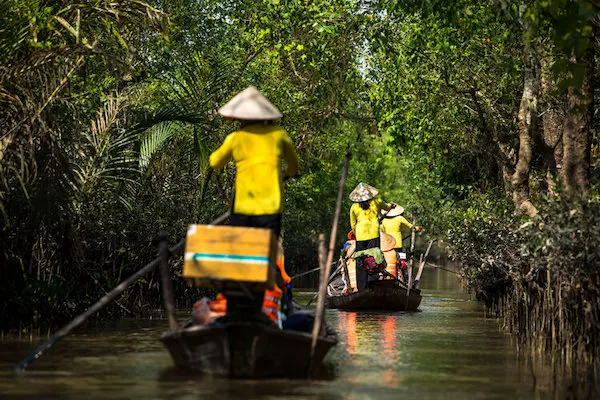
478,117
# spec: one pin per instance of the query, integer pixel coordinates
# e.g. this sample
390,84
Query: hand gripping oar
100,304
327,266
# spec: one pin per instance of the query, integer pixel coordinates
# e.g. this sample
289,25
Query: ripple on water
446,351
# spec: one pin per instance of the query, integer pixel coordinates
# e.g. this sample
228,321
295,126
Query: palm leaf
154,139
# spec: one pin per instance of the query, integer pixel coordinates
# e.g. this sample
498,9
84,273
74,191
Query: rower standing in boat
364,219
392,223
257,149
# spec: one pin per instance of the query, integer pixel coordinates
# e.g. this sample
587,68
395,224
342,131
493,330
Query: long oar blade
100,304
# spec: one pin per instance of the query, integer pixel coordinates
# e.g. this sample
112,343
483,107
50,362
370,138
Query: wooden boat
385,295
242,343
246,349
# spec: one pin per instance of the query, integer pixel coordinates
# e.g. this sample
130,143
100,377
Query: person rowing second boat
364,219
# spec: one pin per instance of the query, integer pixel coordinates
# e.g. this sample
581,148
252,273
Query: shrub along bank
540,277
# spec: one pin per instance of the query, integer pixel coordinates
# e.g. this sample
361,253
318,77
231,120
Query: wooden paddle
100,304
412,258
444,269
327,267
422,264
306,272
328,281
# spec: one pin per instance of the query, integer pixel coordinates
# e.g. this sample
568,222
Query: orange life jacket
219,305
391,261
272,299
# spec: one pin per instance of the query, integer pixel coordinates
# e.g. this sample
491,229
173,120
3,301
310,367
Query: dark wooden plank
245,350
383,295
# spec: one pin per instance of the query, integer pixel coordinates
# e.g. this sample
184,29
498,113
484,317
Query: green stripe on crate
227,257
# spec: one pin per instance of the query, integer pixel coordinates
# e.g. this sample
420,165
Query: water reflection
445,351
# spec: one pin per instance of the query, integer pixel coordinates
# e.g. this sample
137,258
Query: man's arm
404,221
352,219
220,157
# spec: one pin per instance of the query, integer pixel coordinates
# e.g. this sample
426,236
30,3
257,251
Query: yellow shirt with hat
257,151
393,226
365,223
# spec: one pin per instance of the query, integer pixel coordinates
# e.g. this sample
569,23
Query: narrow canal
447,350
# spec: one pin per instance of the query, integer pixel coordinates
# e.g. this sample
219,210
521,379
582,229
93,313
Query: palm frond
192,92
107,154
154,139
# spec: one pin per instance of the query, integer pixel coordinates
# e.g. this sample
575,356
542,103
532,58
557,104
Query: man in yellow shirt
257,149
364,215
364,219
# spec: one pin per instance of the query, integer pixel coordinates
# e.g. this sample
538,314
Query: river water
446,350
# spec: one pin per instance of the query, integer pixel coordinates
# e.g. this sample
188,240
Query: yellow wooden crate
225,254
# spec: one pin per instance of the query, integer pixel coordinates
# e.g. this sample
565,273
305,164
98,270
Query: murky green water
447,350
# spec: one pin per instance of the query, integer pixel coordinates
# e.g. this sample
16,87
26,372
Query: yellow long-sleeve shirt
365,223
393,226
257,151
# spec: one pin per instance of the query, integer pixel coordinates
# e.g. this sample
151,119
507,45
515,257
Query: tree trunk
528,120
552,116
577,130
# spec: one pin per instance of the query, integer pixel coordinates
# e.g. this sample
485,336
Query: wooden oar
306,272
100,304
444,269
422,264
412,258
327,267
345,270
328,282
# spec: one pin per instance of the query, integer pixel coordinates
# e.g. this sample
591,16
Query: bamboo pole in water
166,283
327,266
412,258
422,264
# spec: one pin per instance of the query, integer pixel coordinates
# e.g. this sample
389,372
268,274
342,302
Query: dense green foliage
478,117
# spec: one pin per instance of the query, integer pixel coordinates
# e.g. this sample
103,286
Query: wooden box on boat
230,254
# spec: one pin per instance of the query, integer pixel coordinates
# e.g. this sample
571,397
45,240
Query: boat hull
380,295
245,350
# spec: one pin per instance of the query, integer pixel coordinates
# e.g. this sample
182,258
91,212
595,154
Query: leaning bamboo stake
100,304
422,264
165,280
412,258
327,266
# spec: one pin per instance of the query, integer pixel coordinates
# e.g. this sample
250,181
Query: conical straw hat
387,241
395,211
250,104
363,192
